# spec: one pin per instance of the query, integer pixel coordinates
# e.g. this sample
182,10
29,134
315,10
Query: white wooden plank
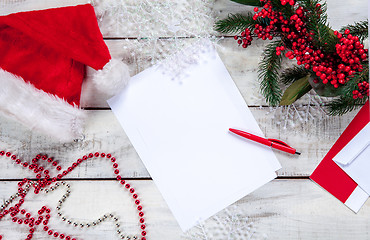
103,133
123,20
138,18
282,209
242,65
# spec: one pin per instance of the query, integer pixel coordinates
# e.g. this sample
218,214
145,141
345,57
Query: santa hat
43,55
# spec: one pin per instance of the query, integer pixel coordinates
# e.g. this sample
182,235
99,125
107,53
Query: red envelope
331,177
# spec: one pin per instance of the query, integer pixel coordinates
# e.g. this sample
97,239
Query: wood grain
292,208
103,133
282,209
340,13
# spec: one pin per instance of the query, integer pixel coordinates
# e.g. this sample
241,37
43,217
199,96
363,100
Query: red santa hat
43,55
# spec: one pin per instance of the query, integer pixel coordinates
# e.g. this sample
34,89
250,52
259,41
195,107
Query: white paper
354,147
357,199
180,131
354,159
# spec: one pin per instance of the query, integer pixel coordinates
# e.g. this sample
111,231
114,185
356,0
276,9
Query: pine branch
343,105
317,22
359,29
236,23
293,74
268,73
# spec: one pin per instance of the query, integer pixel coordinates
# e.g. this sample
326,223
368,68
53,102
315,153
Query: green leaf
256,3
295,91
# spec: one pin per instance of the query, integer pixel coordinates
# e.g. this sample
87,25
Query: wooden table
290,207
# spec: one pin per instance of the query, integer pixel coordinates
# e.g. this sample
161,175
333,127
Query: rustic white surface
103,133
283,209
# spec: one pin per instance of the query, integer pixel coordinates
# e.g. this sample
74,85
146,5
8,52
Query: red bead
62,236
142,226
115,165
137,202
96,154
46,228
90,155
141,214
143,233
142,220
109,155
116,171
56,234
102,154
50,232
113,159
132,190
127,186
139,208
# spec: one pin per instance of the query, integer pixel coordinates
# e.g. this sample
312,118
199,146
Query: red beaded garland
44,212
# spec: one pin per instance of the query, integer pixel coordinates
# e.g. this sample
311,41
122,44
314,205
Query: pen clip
278,141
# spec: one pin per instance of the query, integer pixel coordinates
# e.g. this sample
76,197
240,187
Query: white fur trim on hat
112,78
39,110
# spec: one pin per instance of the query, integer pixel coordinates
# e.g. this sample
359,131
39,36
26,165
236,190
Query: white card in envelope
180,131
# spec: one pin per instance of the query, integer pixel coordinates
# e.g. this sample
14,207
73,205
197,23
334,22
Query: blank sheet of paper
180,131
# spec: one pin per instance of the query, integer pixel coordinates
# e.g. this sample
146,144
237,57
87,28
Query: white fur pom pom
112,78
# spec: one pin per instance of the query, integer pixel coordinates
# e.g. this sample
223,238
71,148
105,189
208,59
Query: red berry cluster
21,216
334,68
245,38
363,90
284,2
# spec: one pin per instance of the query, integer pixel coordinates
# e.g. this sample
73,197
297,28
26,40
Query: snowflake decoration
293,115
230,224
156,28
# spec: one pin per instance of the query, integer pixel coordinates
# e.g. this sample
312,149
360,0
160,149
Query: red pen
274,143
